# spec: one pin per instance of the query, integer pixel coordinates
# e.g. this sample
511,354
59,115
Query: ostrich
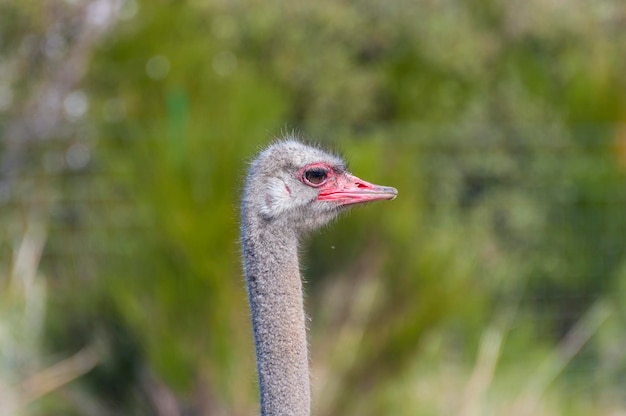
291,189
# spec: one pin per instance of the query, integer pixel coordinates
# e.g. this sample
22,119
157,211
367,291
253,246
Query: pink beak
349,189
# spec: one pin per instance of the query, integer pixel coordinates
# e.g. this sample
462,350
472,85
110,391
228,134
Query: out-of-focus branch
162,399
483,373
59,374
28,293
27,257
588,325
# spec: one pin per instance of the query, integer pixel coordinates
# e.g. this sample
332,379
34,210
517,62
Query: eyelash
315,176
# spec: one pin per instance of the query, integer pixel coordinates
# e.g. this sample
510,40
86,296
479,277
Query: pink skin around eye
346,189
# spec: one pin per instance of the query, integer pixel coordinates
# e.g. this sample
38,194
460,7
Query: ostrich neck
275,294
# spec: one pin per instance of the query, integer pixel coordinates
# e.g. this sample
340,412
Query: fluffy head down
276,192
303,187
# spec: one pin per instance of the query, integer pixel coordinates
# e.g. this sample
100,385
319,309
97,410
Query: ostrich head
302,187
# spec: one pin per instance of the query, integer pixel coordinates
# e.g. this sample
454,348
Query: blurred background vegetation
493,285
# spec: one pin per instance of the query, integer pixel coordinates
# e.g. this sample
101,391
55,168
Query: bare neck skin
270,255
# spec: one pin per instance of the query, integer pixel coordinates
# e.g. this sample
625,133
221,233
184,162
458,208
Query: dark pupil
315,176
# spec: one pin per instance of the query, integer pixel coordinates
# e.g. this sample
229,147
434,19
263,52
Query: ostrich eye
315,176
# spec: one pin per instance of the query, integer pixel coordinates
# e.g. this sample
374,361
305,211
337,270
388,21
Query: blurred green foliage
492,285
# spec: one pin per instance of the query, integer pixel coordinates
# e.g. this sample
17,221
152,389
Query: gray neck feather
270,252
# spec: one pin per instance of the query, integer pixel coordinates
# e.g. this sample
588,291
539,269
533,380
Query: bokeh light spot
76,104
158,67
128,10
78,156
